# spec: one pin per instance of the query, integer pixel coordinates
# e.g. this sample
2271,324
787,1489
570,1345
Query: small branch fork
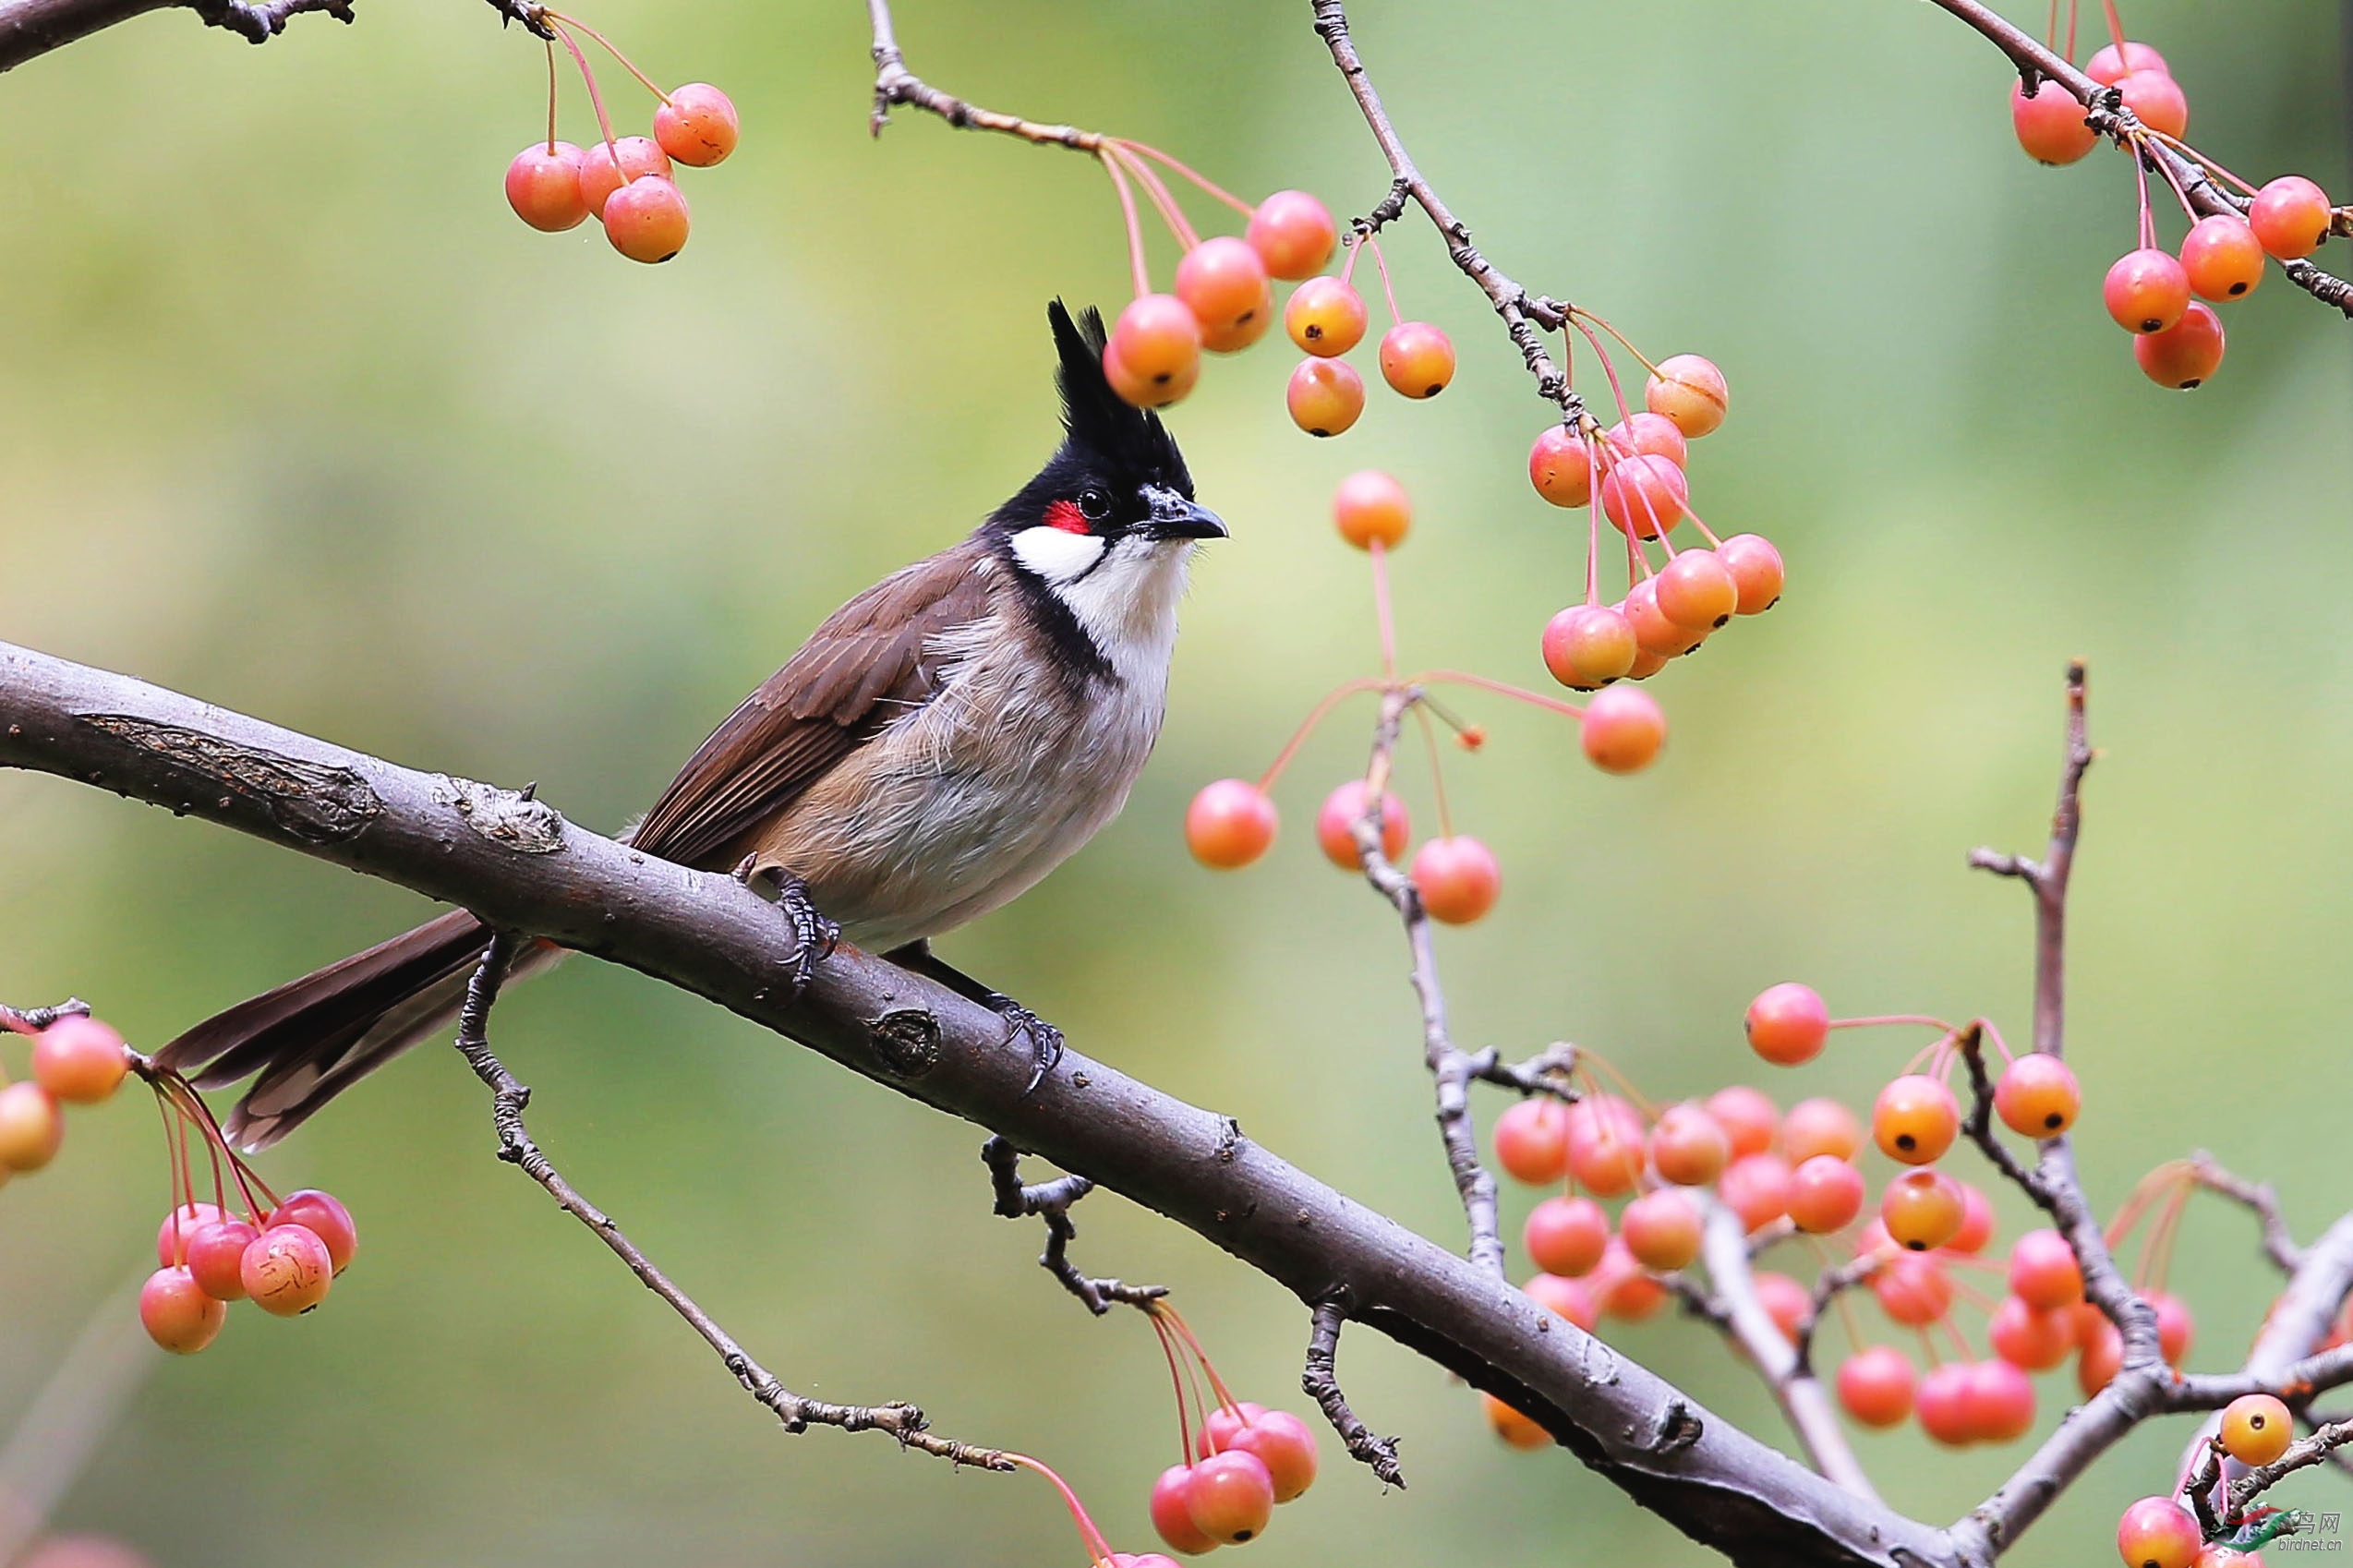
2104,113
508,1099
895,84
1450,1069
2279,1246
1052,1201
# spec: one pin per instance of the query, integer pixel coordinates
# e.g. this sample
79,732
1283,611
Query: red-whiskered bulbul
938,745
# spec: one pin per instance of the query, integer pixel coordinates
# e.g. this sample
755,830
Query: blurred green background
294,416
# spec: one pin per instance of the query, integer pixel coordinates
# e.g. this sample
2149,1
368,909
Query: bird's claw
1045,1040
814,936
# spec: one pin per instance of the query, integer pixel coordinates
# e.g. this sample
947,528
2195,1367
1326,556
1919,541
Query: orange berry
1230,824
2100,1355
1458,878
1788,1023
2029,1336
697,126
1623,730
1756,1188
1646,434
1696,590
599,178
1820,1126
2112,64
1976,1222
2157,1532
1998,1399
1876,1385
1588,645
1608,1145
2290,217
1922,1210
1561,467
1942,1405
2050,125
2222,257
1755,567
1572,1299
1416,359
1141,391
1336,825
1369,505
1653,632
1158,341
1627,1292
543,186
646,219
2042,1271
2257,1428
1915,1119
31,1129
2038,1096
1825,1194
1532,1141
1325,317
2175,1326
1293,234
79,1060
1285,1445
1690,390
1645,496
1748,1116
1231,1497
1913,1291
178,1316
1514,1428
2186,353
1173,1516
2146,291
2157,98
1224,284
1661,1229
1565,1236
1325,396
1687,1147
323,1216
287,1269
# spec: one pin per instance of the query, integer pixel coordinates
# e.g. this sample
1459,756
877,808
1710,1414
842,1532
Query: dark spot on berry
1723,620
1916,1246
1319,432
1905,1140
2054,1121
1314,331
2189,385
2237,288
1435,388
2151,324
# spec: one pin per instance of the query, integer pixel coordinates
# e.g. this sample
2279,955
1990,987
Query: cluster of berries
627,183
1638,468
2162,1532
1326,318
2178,341
1236,1460
1232,822
77,1060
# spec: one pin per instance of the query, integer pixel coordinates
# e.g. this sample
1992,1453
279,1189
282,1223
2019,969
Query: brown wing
872,660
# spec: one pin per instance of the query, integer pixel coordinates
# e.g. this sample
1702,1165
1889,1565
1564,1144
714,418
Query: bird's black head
1117,485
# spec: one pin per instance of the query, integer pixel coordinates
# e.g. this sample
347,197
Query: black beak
1174,518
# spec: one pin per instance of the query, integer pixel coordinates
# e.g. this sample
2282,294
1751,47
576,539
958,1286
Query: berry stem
2115,29
1160,1307
596,97
1876,1020
551,96
2180,194
1316,716
1710,533
1098,1549
1388,289
171,1158
1617,392
1141,275
1622,341
1176,1382
1500,688
2148,223
1592,513
1382,610
626,63
2208,163
1165,204
1186,172
1437,771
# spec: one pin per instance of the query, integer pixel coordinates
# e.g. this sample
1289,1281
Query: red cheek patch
1065,515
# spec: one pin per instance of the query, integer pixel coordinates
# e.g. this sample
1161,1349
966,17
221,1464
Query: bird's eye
1094,504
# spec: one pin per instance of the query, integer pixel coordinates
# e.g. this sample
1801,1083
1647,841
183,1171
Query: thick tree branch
30,29
521,867
508,1100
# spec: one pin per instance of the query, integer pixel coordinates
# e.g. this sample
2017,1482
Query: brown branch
32,1021
1522,312
1320,1379
895,84
508,1100
1828,1286
30,29
1724,1248
2279,1243
2106,113
1052,1201
522,868
1450,1069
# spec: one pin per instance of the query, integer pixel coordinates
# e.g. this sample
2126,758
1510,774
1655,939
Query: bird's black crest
1099,420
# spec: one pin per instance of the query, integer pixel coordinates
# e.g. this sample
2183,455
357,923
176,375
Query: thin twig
895,84
1320,1381
509,1097
1449,1068
2279,1243
1522,312
1052,1200
1828,1286
1549,1072
2300,1453
32,1021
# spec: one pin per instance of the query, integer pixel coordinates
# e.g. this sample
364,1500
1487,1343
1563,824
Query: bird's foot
1045,1040
814,936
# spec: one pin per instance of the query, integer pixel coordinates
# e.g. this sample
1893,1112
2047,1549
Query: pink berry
287,1269
646,219
599,178
2290,217
698,126
1566,1236
1623,730
1690,390
1458,878
1788,1023
177,1315
2146,291
2050,125
2185,354
324,1216
543,186
1231,1497
216,1257
79,1060
1293,234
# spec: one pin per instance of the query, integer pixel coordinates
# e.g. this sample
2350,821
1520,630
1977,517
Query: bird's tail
310,1039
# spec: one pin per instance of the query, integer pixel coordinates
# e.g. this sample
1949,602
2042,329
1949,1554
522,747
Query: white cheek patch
1055,554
